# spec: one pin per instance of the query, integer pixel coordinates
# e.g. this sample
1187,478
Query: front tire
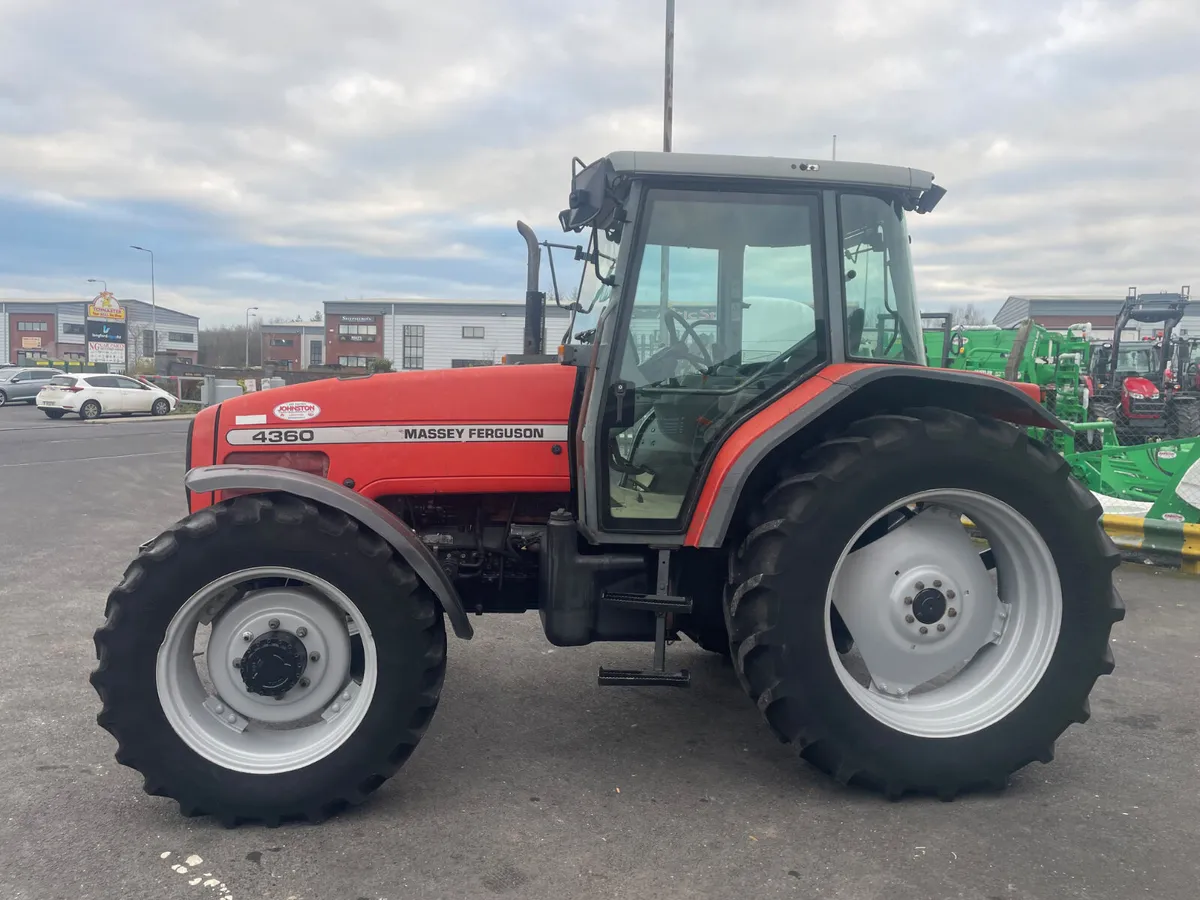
160,408
968,727
170,724
90,410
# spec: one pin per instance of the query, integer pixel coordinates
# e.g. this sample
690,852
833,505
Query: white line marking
49,462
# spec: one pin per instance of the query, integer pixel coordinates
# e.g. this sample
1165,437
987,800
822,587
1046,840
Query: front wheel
968,652
160,408
268,660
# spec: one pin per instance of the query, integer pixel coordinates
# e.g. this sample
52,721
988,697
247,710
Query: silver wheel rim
246,732
989,648
160,408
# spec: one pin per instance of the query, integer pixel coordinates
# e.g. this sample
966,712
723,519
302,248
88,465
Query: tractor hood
1137,385
481,429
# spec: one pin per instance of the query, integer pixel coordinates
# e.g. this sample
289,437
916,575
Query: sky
281,154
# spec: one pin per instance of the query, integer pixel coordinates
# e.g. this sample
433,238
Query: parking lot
533,782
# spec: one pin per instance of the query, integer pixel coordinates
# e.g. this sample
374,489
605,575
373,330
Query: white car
92,395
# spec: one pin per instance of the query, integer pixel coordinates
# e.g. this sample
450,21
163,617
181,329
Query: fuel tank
486,429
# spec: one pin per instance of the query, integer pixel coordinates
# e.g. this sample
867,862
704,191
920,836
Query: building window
473,331
147,342
282,342
316,350
468,363
32,326
181,337
366,333
414,347
359,362
72,328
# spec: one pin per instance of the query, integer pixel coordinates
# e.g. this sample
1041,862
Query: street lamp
249,310
153,302
99,281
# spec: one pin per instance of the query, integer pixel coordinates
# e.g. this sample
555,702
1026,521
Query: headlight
1136,396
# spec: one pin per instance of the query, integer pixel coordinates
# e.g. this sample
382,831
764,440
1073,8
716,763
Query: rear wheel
962,666
54,413
268,660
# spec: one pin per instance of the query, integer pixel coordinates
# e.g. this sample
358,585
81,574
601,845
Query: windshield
593,293
1141,360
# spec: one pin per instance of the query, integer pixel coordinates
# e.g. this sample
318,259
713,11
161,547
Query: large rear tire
864,528
278,578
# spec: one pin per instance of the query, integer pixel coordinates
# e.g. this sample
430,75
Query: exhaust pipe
535,300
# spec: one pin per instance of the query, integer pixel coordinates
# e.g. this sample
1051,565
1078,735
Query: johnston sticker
297,411
399,434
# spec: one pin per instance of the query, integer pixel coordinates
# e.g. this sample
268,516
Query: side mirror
589,202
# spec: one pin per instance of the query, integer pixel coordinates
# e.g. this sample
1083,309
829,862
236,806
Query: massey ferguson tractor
912,592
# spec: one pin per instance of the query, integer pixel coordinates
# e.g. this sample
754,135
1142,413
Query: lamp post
99,281
153,301
249,310
664,269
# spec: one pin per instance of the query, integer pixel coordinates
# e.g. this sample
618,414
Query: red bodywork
370,429
1138,385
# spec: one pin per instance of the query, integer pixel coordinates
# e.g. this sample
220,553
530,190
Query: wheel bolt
301,631
247,636
314,656
273,624
909,619
304,682
920,585
237,663
908,601
941,627
952,612
937,584
231,718
949,595
924,630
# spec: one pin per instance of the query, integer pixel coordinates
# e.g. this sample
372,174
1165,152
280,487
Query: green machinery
1153,480
1030,353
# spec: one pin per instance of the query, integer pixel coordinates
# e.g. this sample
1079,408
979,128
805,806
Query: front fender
365,511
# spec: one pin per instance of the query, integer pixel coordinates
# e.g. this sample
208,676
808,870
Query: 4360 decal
283,436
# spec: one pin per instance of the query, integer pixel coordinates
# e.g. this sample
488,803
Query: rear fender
363,510
841,394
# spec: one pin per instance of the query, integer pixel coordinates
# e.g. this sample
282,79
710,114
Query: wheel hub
274,664
929,606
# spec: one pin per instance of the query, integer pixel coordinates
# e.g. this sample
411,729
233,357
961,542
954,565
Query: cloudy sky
281,154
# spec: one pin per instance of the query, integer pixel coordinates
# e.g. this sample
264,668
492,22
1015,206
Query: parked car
93,395
18,385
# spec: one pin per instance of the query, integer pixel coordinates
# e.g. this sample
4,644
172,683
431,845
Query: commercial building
56,330
1061,311
294,345
429,334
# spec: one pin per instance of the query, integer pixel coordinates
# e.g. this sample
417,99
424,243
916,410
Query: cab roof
807,170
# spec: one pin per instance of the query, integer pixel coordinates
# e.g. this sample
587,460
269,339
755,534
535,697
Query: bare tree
318,316
968,315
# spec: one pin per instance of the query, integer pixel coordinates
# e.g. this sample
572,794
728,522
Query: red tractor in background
789,490
1128,380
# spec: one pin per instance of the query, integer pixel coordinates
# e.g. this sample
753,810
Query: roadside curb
1169,544
141,420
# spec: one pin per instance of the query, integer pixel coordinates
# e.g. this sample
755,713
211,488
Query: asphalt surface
533,782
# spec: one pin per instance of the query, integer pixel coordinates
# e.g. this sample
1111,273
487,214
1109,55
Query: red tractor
915,595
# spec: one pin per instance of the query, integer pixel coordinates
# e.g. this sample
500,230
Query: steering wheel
702,358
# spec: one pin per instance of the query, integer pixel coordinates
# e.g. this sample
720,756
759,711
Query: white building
430,334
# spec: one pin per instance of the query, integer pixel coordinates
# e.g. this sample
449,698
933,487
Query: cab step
662,603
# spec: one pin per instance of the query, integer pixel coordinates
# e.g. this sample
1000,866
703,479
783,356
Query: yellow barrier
1171,544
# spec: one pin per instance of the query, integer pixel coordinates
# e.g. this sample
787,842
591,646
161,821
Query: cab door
721,303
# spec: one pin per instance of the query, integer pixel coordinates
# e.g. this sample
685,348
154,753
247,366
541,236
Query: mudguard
362,509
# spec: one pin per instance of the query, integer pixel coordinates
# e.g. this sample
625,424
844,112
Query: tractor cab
713,285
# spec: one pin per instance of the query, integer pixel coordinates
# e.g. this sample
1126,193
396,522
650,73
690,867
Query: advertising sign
105,306
105,330
104,352
31,343
361,320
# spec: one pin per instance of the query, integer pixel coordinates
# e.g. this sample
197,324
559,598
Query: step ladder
662,603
